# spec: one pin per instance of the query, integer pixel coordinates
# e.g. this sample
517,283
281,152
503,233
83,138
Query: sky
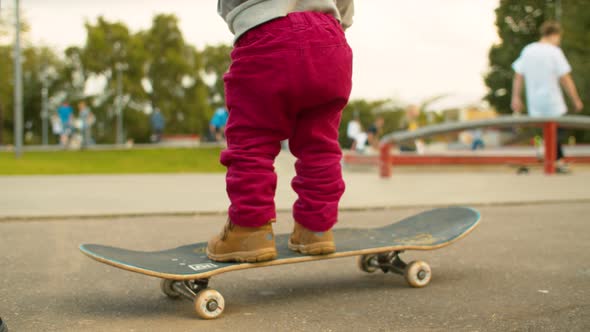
405,50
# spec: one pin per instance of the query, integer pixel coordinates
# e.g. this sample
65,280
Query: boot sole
260,255
319,248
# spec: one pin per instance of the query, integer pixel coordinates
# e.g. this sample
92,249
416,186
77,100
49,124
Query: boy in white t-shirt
542,67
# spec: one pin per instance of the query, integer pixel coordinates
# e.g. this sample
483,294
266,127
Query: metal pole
44,112
18,85
43,76
385,160
119,106
550,137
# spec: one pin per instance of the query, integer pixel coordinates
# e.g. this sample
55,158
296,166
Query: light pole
120,67
44,112
120,138
18,85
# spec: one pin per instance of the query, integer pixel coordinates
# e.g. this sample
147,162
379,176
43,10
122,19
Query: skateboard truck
391,262
208,303
416,273
189,289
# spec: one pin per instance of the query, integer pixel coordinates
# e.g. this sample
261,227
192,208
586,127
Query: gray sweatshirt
243,15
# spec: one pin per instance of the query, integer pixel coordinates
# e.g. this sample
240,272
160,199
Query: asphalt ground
526,267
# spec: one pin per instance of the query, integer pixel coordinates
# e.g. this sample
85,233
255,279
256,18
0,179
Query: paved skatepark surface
526,267
106,195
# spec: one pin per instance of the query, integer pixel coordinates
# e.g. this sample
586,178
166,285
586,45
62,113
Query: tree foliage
172,69
6,91
216,60
158,69
576,45
112,50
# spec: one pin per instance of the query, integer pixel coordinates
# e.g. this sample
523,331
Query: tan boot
243,244
311,243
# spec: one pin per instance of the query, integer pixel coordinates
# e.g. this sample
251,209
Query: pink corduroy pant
289,78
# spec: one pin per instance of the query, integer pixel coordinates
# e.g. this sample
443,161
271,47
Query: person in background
65,113
355,133
477,141
87,119
375,131
158,123
56,127
541,68
217,124
412,117
412,124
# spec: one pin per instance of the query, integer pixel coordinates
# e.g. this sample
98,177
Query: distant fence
549,125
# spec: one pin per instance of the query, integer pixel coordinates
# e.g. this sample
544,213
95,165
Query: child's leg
250,179
256,125
325,84
318,182
257,88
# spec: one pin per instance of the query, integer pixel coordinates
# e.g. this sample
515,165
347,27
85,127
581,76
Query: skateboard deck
425,231
186,270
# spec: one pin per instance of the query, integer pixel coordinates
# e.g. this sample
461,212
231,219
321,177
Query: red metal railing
550,137
387,159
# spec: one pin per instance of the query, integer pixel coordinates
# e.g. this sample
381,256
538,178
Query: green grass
204,160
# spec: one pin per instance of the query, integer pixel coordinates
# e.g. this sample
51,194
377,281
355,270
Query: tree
6,93
6,75
73,74
158,69
216,60
111,50
35,60
576,45
40,64
173,74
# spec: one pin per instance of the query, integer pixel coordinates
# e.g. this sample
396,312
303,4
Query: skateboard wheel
209,304
418,274
364,263
166,287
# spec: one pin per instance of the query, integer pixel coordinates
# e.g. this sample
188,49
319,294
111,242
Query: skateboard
524,169
185,271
